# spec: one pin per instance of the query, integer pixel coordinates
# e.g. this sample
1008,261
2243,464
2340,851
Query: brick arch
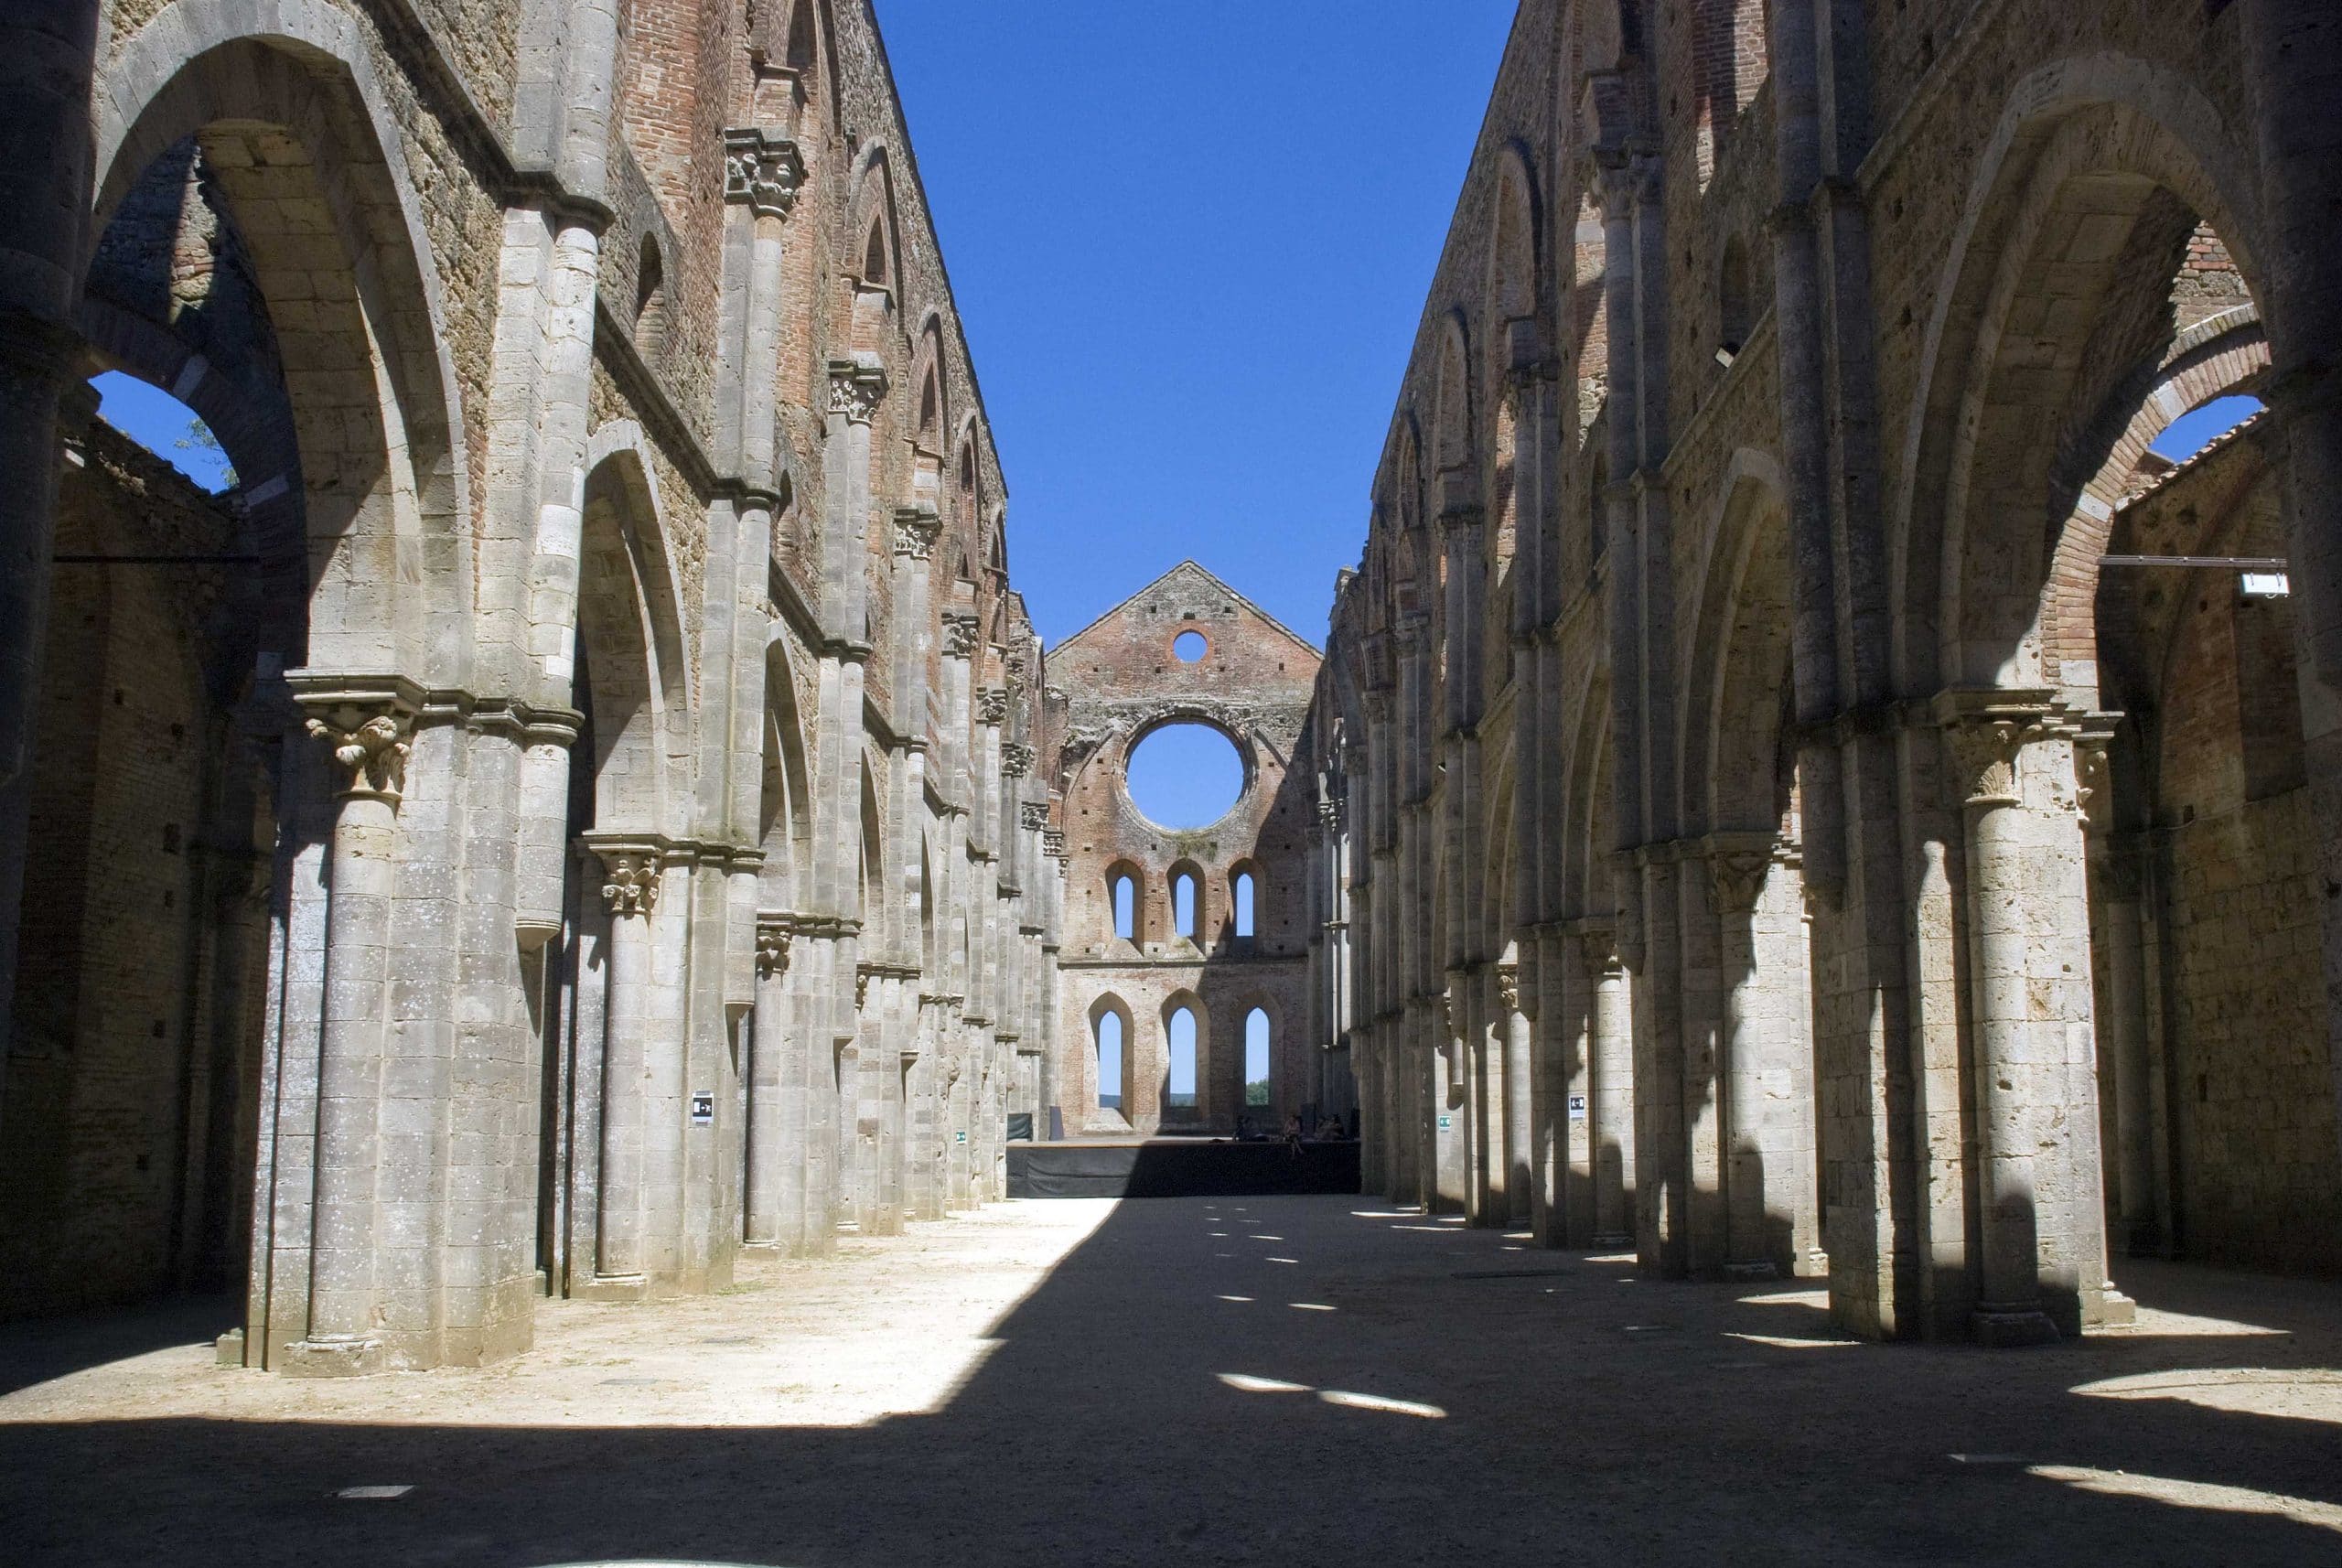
2106,128
2227,353
309,158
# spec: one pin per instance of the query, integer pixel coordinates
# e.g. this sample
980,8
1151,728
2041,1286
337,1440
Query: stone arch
873,232
307,145
630,663
785,805
1739,665
2104,127
1452,422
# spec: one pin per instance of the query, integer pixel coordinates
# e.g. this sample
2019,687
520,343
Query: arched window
649,300
1121,889
1185,897
1179,1091
1735,309
1256,1059
874,257
800,36
1241,895
1109,1041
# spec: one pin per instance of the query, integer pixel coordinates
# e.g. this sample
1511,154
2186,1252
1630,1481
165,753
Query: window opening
1185,776
1125,893
1256,1058
1179,1094
1183,904
166,427
1242,899
1189,647
1110,1061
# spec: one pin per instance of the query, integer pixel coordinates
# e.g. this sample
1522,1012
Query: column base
761,1249
2011,1328
624,1289
1609,1241
1762,1270
334,1356
2112,1310
228,1350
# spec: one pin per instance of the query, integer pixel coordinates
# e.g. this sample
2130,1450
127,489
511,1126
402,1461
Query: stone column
350,1299
1612,1098
775,1202
1738,874
1516,1009
1704,1064
48,48
1987,748
1559,1119
634,1097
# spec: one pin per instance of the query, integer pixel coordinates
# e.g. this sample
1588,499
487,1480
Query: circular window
1185,776
1190,646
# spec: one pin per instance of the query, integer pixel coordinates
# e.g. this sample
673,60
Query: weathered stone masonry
567,813
1112,684
1783,823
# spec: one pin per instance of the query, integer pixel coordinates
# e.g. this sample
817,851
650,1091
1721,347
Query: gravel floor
1195,1381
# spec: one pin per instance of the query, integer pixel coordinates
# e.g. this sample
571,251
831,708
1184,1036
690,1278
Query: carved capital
1985,750
763,170
1509,988
1034,815
915,530
629,881
369,744
857,389
959,633
1017,760
1053,843
2093,782
1330,815
862,987
1739,878
773,932
992,704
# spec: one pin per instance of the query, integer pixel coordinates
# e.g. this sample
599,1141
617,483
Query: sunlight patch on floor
1375,1402
2308,1394
2193,1493
1783,1342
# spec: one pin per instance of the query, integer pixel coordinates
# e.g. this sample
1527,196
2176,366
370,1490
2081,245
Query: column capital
1737,863
916,531
992,704
629,872
857,386
365,722
1017,759
762,169
774,930
1034,815
1053,846
960,634
1984,730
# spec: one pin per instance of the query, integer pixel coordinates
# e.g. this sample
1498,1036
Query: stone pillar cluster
1829,877
622,696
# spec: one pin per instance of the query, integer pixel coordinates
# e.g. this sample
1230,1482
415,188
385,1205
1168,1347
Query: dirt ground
1296,1379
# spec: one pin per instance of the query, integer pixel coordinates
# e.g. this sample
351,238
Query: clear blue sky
1190,242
